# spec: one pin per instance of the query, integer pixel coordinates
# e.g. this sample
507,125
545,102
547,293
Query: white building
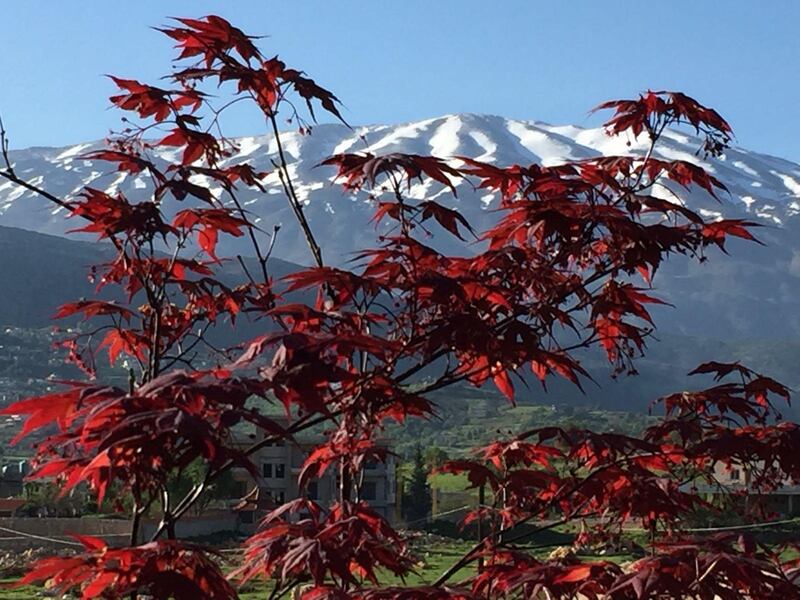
735,482
279,465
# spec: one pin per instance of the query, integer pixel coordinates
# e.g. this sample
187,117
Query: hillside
40,272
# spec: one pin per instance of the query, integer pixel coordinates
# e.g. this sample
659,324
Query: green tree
417,496
44,499
224,487
435,457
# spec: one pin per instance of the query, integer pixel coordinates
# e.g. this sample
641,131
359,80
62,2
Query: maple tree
567,266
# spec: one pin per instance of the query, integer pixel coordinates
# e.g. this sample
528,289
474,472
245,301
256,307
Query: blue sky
399,61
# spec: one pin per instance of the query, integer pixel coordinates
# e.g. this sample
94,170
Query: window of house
313,490
368,490
280,471
266,470
735,474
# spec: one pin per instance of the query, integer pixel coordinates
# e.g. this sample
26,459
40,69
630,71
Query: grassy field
434,559
435,555
23,593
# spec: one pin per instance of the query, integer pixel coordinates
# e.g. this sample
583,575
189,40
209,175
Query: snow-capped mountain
762,188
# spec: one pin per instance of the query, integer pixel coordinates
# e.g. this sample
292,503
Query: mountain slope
754,293
40,272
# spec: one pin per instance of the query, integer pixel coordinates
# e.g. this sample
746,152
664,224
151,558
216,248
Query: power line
52,539
742,527
39,537
436,516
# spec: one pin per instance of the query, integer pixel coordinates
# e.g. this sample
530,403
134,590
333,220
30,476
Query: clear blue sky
398,61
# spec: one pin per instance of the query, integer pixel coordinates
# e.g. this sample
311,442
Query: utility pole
481,502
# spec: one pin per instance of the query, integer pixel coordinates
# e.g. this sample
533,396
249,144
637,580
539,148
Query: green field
23,593
434,559
435,556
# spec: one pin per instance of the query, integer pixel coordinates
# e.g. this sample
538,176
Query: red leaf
503,383
90,542
574,574
119,341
